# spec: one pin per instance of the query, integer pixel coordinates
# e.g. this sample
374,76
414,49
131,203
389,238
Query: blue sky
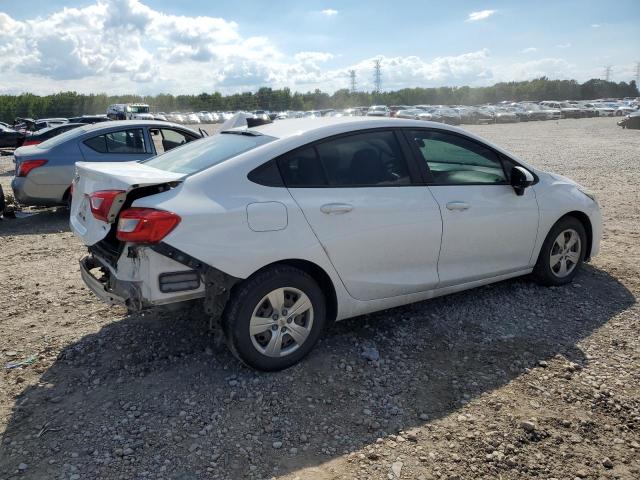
188,46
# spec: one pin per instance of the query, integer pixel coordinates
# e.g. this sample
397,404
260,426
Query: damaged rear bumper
107,288
155,275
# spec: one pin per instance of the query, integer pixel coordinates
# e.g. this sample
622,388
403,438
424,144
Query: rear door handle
336,208
458,206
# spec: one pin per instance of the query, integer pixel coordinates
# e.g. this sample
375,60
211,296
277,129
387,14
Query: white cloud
480,15
595,25
529,50
329,12
124,46
563,45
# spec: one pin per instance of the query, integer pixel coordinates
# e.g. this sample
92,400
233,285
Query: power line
377,76
607,72
352,78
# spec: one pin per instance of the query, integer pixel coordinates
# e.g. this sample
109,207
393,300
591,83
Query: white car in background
286,227
378,111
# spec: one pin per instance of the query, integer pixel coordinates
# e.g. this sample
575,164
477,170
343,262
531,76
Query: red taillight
28,142
101,202
27,165
145,225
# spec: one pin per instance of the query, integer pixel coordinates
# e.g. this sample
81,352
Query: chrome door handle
336,208
458,206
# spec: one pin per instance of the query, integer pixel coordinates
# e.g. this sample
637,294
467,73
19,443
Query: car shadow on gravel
34,222
153,393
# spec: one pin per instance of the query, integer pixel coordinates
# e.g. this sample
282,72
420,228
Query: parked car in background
323,195
411,113
191,118
44,172
129,111
378,111
550,112
445,115
393,109
603,109
10,138
89,119
46,133
566,109
631,121
50,122
504,115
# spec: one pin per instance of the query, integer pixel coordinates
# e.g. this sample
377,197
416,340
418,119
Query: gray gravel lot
506,381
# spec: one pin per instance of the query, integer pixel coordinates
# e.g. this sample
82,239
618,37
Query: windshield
205,153
63,137
138,109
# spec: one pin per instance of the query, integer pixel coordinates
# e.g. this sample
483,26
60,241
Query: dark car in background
631,121
47,133
88,119
10,138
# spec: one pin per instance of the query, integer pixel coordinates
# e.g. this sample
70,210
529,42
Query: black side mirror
521,178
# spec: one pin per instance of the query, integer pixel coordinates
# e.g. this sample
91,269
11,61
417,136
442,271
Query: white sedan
288,226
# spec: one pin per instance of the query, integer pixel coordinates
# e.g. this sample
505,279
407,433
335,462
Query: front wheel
562,253
274,318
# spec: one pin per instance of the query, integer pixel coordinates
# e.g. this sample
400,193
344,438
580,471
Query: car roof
336,125
132,123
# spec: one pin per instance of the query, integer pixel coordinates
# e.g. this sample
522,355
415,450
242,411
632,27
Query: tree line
69,104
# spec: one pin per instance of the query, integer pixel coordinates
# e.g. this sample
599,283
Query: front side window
366,159
124,141
456,160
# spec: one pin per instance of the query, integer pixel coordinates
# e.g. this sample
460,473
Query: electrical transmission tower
607,73
352,78
638,73
377,76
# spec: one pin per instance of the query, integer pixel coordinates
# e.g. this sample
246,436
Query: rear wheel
274,318
562,253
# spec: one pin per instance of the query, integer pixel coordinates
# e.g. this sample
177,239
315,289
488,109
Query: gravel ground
506,381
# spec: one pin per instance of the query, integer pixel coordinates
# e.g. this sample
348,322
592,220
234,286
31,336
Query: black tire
543,273
245,299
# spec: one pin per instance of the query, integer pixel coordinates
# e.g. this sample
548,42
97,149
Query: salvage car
631,121
10,138
47,133
44,172
284,228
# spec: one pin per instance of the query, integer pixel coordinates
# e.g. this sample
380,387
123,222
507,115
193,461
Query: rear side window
124,141
366,159
197,156
164,139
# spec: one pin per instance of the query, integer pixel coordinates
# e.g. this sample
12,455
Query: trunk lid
92,177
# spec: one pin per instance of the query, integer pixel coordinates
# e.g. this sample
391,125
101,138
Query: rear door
379,227
488,230
125,145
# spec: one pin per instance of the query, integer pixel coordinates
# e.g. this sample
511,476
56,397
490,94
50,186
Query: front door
380,231
488,230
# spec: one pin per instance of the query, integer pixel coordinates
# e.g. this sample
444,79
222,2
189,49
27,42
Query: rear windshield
205,153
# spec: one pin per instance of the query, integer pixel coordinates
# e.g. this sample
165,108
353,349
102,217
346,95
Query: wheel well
586,223
320,276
